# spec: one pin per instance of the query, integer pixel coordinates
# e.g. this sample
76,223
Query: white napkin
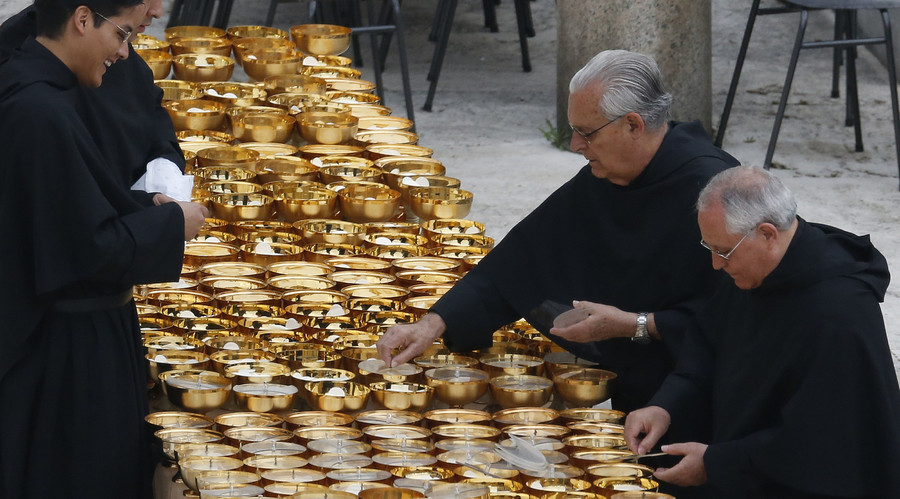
164,176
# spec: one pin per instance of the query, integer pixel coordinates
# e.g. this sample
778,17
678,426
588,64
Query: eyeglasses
726,256
586,136
124,33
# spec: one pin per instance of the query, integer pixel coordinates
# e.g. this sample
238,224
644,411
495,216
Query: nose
155,9
718,262
577,143
123,51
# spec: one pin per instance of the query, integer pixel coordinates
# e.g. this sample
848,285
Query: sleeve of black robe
838,431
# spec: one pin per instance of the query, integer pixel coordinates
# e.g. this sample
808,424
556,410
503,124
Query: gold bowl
321,39
262,127
191,136
349,85
521,390
331,231
251,31
250,45
287,168
263,63
178,90
203,176
457,386
176,360
160,62
397,168
196,114
193,468
367,137
402,396
368,203
228,157
365,109
313,151
217,46
378,151
331,72
327,128
452,226
233,207
178,32
614,485
337,396
327,60
294,84
440,202
508,364
194,390
148,42
229,187
259,371
306,202
233,93
263,253
264,397
384,123
203,67
584,387
348,172
350,98
295,102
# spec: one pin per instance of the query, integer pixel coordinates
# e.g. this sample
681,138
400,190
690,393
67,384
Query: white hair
749,196
631,83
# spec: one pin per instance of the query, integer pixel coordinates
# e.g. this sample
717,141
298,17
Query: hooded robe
634,247
72,372
799,376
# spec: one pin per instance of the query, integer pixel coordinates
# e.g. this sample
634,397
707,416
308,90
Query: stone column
676,33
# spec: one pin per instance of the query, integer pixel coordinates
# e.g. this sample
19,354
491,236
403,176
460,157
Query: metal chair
443,23
845,41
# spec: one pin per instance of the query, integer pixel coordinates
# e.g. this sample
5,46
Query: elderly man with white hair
618,239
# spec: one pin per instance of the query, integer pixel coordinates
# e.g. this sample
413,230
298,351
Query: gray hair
749,196
631,83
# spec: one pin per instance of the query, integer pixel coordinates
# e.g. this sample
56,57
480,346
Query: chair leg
892,80
853,117
795,54
736,76
436,22
439,50
522,23
837,54
490,15
270,16
404,63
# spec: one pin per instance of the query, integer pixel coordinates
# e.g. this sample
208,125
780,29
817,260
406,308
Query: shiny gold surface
202,67
264,397
216,46
521,390
260,64
457,386
402,396
198,136
398,168
331,72
160,62
250,45
512,364
251,419
367,203
525,415
172,360
347,97
177,32
262,127
584,387
440,202
252,31
194,468
340,84
337,396
244,94
148,42
321,39
327,128
234,207
194,390
613,485
311,151
196,114
230,156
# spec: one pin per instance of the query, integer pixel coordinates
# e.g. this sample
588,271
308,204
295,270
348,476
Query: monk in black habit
72,373
619,237
792,357
124,114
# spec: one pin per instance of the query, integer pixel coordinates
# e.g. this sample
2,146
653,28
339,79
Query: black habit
123,115
72,372
633,247
799,376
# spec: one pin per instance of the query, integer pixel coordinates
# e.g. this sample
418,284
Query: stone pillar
676,33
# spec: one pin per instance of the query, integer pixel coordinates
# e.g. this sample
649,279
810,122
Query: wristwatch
641,334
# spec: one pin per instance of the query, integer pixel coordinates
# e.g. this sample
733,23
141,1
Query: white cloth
164,176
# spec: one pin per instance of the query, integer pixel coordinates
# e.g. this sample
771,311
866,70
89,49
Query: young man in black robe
792,357
72,373
124,115
619,238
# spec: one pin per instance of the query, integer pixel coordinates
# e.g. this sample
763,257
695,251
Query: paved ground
488,116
